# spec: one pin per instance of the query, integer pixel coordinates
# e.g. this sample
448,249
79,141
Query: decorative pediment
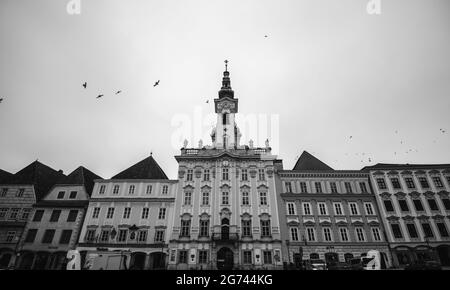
408,218
198,173
414,194
188,187
420,172
92,226
186,216
447,170
106,227
293,222
252,173
262,187
270,172
181,173
392,218
392,172
423,217
400,194
406,172
429,194
225,186
264,216
246,216
374,223
443,194
309,223
205,187
385,195
325,222
204,216
378,173
438,217
245,187
434,171
357,223
341,222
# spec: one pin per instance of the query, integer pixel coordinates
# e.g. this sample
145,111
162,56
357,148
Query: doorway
225,259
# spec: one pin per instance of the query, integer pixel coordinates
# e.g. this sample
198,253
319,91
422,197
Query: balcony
225,237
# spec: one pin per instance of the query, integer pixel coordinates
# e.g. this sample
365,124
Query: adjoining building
55,222
327,214
18,193
226,213
129,219
415,207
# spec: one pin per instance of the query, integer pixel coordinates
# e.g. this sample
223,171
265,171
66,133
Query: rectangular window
26,213
148,189
442,229
333,187
48,236
182,256
55,215
261,174
410,183
381,183
247,257
263,198
327,234
162,213
369,208
432,203
396,183
244,175
142,236
202,257
110,213
353,208
206,175
344,234
376,234
267,257
20,192
338,208
363,187
403,205
38,215
102,189
61,195
294,234
225,174
131,189
291,208
204,228
306,208
90,235
126,212
322,208
388,205
116,189
311,235
265,228
303,188
225,198
185,228
4,192
165,189
95,212
187,198
438,182
189,175
3,212
14,213
360,234
318,187
418,205
412,230
205,198
65,237
31,236
288,186
427,230
348,187
145,213
159,236
245,198
446,203
10,235
72,215
396,231
246,228
123,234
424,183
73,195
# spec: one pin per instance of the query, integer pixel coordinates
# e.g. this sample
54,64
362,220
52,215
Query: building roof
81,176
4,175
145,169
308,162
41,176
405,166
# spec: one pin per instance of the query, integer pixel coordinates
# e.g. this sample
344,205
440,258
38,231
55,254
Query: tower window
225,119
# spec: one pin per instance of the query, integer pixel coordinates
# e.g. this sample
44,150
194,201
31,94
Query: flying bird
99,96
85,84
156,83
118,92
265,36
1,100
351,137
207,101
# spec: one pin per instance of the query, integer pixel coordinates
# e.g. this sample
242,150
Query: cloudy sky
327,70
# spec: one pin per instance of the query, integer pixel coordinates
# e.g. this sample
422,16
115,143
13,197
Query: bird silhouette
85,84
351,137
99,96
207,101
156,83
118,92
1,100
265,36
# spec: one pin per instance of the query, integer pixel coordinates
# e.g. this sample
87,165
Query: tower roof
226,90
81,176
145,169
41,176
308,162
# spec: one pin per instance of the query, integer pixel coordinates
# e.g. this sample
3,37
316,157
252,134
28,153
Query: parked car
424,265
356,264
338,266
318,264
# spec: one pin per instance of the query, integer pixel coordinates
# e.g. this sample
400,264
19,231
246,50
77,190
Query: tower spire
226,90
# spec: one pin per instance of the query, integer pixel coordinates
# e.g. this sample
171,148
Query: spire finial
226,65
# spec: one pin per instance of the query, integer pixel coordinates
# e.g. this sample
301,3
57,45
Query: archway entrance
138,261
26,261
331,257
444,254
157,260
225,259
225,230
4,260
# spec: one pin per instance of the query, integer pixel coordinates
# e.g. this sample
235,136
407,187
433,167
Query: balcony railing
225,237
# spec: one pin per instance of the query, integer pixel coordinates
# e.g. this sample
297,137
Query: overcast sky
327,69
